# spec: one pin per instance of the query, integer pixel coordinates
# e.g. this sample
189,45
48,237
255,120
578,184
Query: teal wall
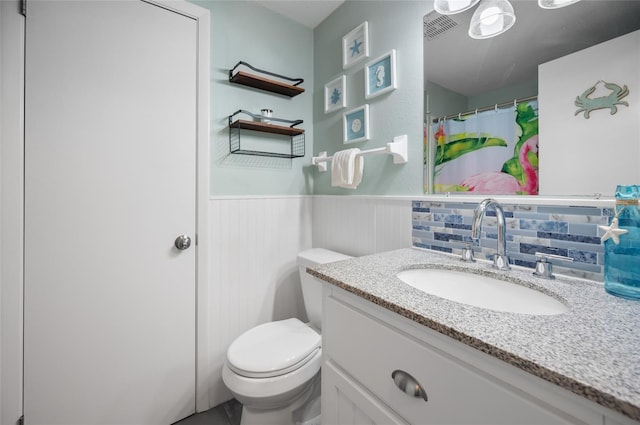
505,94
242,30
392,25
443,102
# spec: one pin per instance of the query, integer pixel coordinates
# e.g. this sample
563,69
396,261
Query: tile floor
228,413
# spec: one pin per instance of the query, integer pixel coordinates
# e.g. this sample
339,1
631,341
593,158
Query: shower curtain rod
486,108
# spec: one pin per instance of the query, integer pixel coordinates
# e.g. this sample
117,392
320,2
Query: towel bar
397,148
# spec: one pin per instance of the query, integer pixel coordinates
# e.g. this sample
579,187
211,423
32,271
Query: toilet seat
273,349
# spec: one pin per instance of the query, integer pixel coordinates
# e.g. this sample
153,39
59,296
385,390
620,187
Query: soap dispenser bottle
622,245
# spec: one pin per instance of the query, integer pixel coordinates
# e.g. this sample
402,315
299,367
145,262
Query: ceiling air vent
436,24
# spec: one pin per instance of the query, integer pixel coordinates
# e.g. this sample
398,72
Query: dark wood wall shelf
267,128
263,82
238,126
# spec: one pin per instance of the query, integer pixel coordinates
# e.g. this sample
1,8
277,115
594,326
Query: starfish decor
335,96
613,231
355,49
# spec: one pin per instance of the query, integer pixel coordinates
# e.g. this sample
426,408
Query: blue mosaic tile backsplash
561,230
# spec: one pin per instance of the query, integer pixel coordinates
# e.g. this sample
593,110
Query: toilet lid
273,349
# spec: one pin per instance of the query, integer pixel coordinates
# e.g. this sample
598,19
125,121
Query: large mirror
580,153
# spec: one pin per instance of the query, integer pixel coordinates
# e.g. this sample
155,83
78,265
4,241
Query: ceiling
306,12
471,67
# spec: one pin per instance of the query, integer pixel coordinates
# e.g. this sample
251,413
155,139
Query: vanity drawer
371,351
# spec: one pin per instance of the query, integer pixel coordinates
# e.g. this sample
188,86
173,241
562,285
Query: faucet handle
467,253
501,262
544,266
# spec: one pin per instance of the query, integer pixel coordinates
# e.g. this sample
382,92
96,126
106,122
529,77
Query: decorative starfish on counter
612,231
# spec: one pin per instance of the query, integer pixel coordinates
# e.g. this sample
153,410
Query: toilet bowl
273,369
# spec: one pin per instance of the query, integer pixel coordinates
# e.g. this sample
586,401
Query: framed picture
380,75
335,94
355,45
355,124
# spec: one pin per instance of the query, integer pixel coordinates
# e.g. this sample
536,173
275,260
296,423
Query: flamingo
499,183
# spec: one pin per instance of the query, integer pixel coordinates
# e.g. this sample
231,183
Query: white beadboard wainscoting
254,242
254,276
361,225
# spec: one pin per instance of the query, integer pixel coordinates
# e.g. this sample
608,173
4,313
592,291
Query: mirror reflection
503,113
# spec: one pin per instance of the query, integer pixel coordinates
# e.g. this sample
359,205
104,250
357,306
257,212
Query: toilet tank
312,286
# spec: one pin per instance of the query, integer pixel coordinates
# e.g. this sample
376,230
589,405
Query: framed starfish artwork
335,94
355,45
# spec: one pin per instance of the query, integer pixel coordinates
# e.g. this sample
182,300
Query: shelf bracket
296,81
290,123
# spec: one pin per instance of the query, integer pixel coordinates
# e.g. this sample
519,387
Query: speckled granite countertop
593,350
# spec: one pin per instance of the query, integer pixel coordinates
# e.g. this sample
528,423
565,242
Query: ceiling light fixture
450,7
491,18
555,4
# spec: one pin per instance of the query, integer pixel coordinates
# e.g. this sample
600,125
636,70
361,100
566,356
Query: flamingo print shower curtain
493,152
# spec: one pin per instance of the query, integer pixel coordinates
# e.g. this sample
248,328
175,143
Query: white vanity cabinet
364,344
345,401
616,419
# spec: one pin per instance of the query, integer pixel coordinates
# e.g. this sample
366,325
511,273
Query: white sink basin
482,291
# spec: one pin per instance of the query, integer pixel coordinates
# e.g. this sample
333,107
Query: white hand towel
347,168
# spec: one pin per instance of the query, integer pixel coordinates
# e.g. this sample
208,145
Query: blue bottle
622,261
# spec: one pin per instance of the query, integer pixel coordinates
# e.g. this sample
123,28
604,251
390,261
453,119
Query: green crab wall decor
586,104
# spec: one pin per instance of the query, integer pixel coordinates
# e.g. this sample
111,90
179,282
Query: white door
110,182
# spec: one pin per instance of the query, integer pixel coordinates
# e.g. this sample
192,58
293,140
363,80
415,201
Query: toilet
273,369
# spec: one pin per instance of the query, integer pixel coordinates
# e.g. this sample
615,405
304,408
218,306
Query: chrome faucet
500,260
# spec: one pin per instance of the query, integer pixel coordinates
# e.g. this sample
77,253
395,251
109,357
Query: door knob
183,242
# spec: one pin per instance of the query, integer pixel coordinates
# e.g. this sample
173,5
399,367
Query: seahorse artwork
380,76
587,105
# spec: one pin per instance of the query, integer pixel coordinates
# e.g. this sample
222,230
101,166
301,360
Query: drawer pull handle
408,384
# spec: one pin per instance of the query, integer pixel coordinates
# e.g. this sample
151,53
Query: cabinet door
457,393
344,402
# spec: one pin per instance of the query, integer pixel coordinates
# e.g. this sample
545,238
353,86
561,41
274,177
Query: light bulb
450,7
555,4
490,16
493,17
